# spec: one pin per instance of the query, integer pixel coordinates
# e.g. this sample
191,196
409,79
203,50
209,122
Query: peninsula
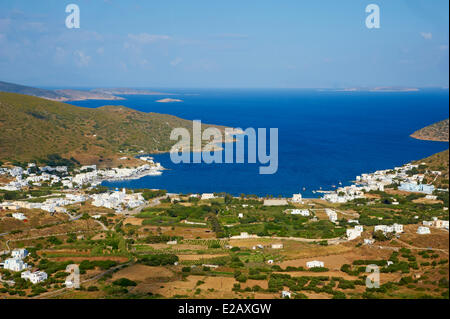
434,132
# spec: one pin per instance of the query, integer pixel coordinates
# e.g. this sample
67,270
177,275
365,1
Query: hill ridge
32,128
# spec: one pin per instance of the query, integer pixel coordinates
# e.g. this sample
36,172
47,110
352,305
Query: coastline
321,192
430,139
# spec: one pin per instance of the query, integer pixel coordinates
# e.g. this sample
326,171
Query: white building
440,223
332,215
34,277
277,246
116,200
415,187
207,196
48,208
76,198
302,212
353,233
15,264
383,228
244,235
69,283
423,230
334,198
345,194
297,198
146,159
210,266
397,228
368,241
436,223
285,294
19,216
19,253
9,206
315,263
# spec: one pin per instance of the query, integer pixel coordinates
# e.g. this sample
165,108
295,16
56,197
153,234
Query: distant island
394,89
434,132
167,100
378,89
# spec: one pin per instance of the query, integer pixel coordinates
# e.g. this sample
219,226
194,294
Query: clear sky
232,43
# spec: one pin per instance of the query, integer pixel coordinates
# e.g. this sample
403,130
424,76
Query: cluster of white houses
89,174
353,233
378,180
118,200
92,175
344,194
33,175
437,223
395,228
16,264
50,205
85,175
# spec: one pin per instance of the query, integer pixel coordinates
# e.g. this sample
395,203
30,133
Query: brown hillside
32,128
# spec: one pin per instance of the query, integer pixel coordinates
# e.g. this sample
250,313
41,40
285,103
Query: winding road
58,292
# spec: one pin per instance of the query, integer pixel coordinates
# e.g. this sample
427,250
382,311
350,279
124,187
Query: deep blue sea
324,137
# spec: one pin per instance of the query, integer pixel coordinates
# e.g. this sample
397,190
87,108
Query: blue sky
235,44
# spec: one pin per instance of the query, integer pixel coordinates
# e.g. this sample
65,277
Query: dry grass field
185,232
140,272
